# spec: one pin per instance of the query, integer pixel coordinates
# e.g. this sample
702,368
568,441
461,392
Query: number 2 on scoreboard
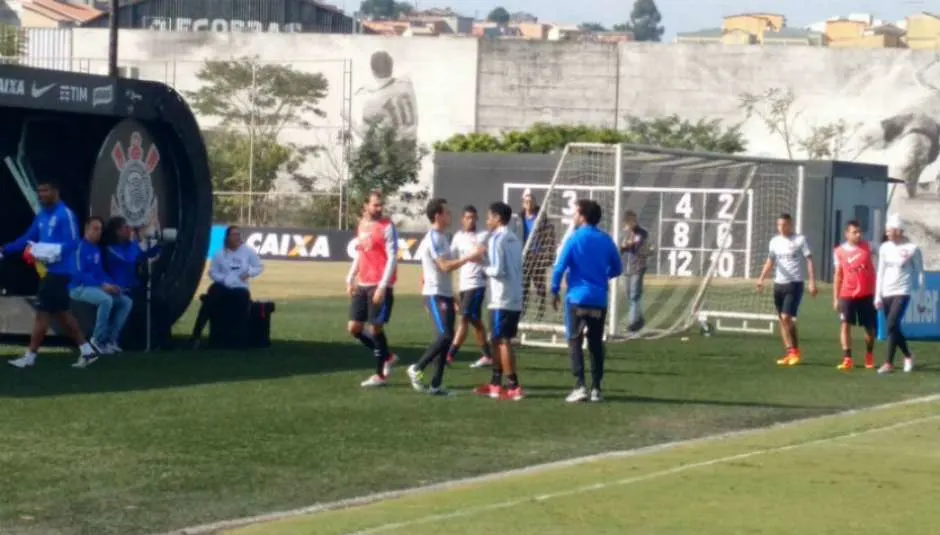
679,263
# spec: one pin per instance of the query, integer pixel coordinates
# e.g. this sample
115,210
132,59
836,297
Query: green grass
143,443
817,477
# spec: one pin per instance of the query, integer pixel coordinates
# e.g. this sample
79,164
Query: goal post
708,217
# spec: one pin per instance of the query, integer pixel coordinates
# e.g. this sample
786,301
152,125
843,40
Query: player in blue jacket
92,285
123,255
52,237
591,259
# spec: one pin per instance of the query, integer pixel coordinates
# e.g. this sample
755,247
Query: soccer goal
709,218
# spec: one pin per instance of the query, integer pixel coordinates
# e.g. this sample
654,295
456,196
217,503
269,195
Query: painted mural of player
388,100
915,137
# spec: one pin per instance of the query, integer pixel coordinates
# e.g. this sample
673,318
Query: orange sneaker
513,394
847,364
792,359
869,361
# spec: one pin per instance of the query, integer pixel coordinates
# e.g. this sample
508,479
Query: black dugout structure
116,147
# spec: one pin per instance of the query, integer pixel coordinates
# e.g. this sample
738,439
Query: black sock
487,352
452,352
365,340
380,352
869,347
497,378
847,353
513,381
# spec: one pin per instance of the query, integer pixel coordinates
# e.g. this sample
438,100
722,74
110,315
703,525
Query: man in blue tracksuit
52,238
591,259
91,284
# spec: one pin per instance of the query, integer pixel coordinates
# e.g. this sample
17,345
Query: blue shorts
504,324
471,303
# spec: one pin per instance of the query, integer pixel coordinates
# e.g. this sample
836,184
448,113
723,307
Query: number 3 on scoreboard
679,263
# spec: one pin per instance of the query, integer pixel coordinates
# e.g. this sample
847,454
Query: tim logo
134,198
923,309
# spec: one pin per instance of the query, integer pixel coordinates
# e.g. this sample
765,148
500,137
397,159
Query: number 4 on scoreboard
684,206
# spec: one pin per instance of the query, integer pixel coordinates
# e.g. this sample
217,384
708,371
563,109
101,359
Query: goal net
707,219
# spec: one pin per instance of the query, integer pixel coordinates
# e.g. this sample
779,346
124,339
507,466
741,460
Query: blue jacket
55,224
88,268
591,259
123,259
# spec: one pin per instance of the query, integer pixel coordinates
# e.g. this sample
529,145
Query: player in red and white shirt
853,293
369,285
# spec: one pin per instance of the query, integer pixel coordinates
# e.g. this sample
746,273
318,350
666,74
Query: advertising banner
920,320
309,245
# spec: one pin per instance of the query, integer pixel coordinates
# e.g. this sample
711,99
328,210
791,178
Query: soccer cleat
374,381
847,364
24,362
513,394
489,391
450,360
869,361
389,362
85,361
790,360
482,362
577,395
908,364
596,396
417,378
886,368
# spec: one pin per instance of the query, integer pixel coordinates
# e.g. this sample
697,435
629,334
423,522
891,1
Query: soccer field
154,443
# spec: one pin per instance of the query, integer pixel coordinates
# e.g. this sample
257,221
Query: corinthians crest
134,198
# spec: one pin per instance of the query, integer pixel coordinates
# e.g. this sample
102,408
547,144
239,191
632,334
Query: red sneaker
450,360
489,391
513,394
869,361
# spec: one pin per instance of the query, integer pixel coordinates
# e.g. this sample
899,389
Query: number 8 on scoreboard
700,226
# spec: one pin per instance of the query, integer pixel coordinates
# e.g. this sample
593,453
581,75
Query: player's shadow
53,374
607,371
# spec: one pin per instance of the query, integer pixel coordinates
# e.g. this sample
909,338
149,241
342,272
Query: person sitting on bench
230,270
90,284
123,255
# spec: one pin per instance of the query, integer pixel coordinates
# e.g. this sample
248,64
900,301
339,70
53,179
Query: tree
253,103
644,22
499,16
386,162
669,132
385,9
776,109
12,43
592,27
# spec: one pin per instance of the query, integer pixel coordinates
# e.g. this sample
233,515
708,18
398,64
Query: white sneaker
596,396
24,362
101,349
885,368
113,349
417,378
392,360
577,395
374,381
482,362
85,361
909,364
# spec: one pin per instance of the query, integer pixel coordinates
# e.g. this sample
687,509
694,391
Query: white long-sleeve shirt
228,267
900,269
504,270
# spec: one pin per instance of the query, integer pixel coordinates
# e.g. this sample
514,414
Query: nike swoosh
40,91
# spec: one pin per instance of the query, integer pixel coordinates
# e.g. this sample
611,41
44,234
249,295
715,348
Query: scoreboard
699,226
689,227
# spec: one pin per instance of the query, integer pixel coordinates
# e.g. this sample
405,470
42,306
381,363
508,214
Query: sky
688,15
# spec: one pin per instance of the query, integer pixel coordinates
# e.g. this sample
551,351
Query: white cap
894,222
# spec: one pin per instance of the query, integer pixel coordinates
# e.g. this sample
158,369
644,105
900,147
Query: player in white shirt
389,101
472,288
900,274
787,254
438,292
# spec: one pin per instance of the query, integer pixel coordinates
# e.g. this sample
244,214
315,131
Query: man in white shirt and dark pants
787,253
472,288
230,270
438,292
900,274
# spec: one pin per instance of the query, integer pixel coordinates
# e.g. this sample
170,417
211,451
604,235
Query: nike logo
854,258
40,91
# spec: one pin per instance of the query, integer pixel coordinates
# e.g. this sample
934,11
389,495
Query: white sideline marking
534,469
631,480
